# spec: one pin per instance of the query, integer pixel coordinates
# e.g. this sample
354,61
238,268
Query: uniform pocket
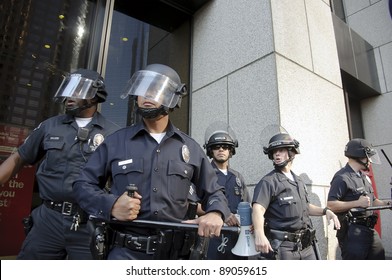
127,171
54,158
179,179
288,206
286,200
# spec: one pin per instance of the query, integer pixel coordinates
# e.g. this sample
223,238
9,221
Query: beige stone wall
260,62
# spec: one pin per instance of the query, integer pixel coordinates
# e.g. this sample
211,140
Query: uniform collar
352,171
229,170
172,131
97,120
282,177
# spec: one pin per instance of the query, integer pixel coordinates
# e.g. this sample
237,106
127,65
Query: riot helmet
81,84
282,140
219,133
159,83
360,148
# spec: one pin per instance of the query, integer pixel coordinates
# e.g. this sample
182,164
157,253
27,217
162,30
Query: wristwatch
325,210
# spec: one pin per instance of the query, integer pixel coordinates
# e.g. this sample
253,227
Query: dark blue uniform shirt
347,185
235,187
235,191
356,241
162,172
55,142
285,201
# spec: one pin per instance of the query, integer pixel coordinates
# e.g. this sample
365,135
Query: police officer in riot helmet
167,99
162,162
220,145
61,145
218,139
282,140
81,90
351,189
280,207
362,152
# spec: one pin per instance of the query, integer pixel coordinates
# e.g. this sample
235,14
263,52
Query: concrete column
260,62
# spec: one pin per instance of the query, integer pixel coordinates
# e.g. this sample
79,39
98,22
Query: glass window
127,52
46,38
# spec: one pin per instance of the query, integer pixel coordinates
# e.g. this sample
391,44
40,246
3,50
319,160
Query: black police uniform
357,237
55,143
287,220
163,174
235,191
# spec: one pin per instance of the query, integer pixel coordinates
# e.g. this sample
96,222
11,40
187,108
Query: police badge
185,153
97,140
237,189
238,181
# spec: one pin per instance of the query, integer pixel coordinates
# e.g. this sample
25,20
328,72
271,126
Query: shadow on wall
318,221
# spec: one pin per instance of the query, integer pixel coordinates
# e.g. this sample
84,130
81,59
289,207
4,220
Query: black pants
361,243
121,253
51,238
220,247
288,251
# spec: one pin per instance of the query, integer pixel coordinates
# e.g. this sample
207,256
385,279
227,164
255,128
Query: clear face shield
372,155
154,86
76,86
267,133
219,127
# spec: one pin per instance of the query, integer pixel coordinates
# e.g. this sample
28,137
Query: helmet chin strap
75,111
152,113
365,164
283,163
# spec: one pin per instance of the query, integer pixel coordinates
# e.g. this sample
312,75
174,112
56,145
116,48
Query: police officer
220,144
61,145
162,162
281,209
352,188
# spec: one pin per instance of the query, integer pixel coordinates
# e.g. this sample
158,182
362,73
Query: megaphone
245,245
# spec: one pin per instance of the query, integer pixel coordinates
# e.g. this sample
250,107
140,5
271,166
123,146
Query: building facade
321,69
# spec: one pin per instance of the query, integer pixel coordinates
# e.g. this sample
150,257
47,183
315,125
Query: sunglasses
224,147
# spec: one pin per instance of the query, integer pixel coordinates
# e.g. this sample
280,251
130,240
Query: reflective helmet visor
76,86
153,86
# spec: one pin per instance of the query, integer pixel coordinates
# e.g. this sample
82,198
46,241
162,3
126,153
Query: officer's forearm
379,202
10,167
258,218
341,206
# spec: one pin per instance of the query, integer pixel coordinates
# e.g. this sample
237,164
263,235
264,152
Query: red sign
15,204
15,194
370,174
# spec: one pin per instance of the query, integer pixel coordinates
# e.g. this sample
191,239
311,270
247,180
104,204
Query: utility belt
302,237
147,244
369,221
165,244
64,207
68,209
